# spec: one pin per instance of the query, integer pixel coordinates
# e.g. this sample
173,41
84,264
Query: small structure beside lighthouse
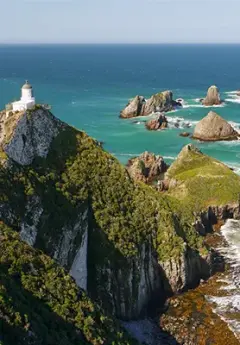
27,100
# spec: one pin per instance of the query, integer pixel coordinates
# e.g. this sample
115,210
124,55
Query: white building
27,100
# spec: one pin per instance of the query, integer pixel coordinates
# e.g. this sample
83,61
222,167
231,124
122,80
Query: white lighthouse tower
27,100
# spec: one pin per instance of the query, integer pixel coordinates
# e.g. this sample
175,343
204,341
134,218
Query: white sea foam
169,157
231,303
232,92
180,122
233,100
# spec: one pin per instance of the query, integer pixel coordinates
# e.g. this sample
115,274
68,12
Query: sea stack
160,102
133,108
213,128
213,97
159,123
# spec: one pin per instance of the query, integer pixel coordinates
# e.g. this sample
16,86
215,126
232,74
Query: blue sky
124,21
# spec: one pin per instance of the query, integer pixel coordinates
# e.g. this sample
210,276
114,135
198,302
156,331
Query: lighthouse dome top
27,85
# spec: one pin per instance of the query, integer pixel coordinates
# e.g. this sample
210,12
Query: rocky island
213,97
139,106
77,231
214,128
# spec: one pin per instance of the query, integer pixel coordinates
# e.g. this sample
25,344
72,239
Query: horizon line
117,43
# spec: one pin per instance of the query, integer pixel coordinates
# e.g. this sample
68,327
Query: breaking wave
228,307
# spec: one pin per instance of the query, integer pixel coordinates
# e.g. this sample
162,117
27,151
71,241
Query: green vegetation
203,181
78,172
40,303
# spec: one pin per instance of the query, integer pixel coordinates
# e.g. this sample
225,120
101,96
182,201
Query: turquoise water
88,85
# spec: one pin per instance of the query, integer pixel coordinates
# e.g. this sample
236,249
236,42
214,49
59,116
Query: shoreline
197,310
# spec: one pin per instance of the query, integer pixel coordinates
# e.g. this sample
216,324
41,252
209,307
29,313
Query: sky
124,21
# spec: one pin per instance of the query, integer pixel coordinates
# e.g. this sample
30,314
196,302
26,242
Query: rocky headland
213,97
126,246
139,106
214,128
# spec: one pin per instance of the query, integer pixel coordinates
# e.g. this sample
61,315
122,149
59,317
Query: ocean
88,85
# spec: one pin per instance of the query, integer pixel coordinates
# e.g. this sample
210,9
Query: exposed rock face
32,137
159,123
159,102
147,167
187,270
213,97
162,101
213,128
133,108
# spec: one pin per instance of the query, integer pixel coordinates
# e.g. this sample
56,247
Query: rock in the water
138,106
213,128
159,123
162,101
185,134
213,97
147,167
133,108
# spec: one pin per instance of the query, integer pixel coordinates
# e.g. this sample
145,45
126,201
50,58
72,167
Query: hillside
200,181
41,304
126,244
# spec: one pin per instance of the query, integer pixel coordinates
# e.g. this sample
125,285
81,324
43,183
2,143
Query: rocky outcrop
187,270
133,108
213,97
147,167
213,128
156,124
32,136
185,134
160,102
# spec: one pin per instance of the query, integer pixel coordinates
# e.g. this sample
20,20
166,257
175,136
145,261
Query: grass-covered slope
202,180
133,231
78,171
40,303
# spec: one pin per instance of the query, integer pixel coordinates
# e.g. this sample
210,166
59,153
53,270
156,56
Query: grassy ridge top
203,181
41,304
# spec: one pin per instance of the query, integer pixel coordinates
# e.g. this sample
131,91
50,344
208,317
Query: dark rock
185,134
159,123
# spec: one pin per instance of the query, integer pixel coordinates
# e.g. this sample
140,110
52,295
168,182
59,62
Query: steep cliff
41,304
120,240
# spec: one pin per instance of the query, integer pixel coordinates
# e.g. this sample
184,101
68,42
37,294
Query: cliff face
41,304
120,240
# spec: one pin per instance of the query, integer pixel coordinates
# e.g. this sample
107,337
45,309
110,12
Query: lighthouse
27,100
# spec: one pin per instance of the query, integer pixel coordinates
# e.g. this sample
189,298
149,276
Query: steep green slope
41,304
202,181
121,240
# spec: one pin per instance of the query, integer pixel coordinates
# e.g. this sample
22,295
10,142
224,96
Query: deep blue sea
88,85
